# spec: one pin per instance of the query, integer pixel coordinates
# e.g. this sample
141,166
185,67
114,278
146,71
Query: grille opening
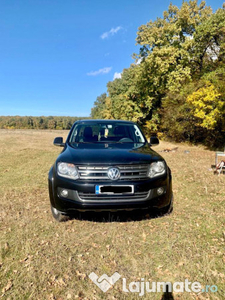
138,196
127,172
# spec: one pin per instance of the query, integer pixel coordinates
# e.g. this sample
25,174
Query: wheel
165,211
168,209
59,216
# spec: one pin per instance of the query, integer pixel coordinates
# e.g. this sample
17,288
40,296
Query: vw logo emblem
113,173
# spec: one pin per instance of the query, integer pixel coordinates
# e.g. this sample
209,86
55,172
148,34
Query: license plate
114,189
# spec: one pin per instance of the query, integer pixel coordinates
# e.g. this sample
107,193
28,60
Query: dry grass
43,259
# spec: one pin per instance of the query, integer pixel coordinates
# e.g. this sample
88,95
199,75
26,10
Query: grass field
43,259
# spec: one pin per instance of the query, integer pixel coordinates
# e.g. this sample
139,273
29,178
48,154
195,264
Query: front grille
138,196
127,172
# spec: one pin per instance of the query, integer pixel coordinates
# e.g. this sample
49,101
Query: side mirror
154,141
58,141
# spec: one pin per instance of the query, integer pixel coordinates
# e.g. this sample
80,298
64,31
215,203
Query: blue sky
56,56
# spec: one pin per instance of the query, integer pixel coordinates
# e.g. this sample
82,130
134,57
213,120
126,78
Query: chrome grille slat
94,177
135,169
90,195
132,176
127,172
92,168
138,196
132,167
93,171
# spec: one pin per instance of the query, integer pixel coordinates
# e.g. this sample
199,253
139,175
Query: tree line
175,87
50,122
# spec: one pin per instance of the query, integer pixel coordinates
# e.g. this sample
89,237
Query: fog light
160,191
64,193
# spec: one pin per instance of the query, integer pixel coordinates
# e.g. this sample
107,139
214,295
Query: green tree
99,107
207,106
179,53
52,124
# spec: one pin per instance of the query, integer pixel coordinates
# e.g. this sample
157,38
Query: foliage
176,85
207,106
99,107
17,122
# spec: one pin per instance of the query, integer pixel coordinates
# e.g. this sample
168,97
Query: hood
112,154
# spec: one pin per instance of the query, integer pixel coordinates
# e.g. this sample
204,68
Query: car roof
104,120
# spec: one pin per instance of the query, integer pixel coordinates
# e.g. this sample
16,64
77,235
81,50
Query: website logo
104,282
144,287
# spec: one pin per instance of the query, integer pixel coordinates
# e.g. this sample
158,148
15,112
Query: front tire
165,211
59,216
168,209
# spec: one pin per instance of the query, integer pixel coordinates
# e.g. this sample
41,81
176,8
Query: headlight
156,169
67,170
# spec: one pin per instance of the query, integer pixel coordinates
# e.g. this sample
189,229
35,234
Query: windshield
103,132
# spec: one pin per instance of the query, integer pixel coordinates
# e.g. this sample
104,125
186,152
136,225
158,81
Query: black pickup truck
108,165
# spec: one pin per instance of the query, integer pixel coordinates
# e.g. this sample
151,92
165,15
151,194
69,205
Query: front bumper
81,195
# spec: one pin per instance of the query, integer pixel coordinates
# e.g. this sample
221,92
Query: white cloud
100,71
111,32
117,75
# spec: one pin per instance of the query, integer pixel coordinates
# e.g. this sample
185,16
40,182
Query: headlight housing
67,170
156,169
